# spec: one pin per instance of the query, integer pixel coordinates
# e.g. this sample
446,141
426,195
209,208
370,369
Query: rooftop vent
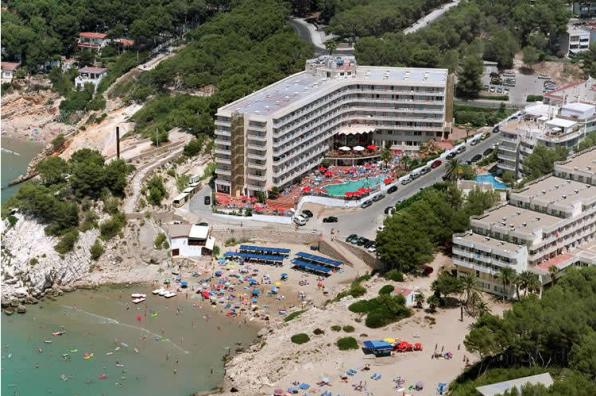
537,218
577,191
525,224
487,238
564,196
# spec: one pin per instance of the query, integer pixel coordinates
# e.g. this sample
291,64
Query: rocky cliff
31,266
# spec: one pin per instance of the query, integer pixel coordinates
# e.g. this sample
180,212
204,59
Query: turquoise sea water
339,190
13,164
160,347
488,178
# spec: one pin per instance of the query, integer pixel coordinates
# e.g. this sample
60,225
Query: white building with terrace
274,136
550,222
549,125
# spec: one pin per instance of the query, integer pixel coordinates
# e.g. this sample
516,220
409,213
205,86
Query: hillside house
93,40
90,75
9,70
190,240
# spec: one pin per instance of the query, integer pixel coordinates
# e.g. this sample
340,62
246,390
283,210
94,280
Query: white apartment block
551,221
578,39
274,136
548,125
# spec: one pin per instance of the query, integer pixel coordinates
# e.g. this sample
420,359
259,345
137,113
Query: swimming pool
339,190
488,178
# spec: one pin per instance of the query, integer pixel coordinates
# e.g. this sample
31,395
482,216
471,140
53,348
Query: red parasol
328,173
388,180
372,147
322,169
306,189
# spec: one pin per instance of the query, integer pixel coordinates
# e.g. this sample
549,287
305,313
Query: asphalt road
365,222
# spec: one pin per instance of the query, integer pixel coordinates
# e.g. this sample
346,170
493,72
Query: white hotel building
545,124
274,136
551,221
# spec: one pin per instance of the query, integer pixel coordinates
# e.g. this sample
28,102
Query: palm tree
506,274
452,173
553,271
419,300
517,282
469,286
530,282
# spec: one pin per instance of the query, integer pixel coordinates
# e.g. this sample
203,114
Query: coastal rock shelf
24,279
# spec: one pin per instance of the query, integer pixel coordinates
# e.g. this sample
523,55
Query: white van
405,179
299,220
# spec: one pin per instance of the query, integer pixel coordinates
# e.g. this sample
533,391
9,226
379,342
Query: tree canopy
556,333
428,220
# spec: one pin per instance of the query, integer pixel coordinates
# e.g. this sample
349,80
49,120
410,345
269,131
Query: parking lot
518,87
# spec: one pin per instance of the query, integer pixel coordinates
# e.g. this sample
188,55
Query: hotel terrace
278,134
549,125
551,221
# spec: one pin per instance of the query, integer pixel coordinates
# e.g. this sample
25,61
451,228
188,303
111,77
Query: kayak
87,355
138,295
138,300
57,333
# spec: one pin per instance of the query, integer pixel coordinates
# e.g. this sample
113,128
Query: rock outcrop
30,265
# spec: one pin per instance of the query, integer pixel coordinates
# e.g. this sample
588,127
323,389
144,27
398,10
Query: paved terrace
304,87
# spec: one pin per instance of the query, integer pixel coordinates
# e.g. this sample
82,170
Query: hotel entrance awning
356,129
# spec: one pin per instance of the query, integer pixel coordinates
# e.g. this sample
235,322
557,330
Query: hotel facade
275,136
551,221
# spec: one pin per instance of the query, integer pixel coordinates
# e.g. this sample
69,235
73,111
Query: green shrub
362,306
293,315
336,328
357,291
534,98
97,250
494,97
12,220
347,343
161,241
394,275
318,331
33,261
156,190
67,243
348,329
300,338
230,242
387,289
110,228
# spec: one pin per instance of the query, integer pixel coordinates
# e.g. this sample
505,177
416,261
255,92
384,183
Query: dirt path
137,179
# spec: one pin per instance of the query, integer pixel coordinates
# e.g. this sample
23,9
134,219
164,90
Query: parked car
203,224
330,219
307,213
488,151
436,164
461,149
389,209
406,180
425,170
496,129
300,220
351,238
369,244
366,204
378,197
372,248
476,158
361,241
207,200
485,136
391,189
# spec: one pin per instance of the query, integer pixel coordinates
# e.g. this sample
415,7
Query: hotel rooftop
584,162
556,193
471,239
305,86
510,219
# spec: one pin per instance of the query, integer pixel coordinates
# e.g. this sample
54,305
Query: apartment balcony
255,165
226,172
223,160
262,157
486,258
469,265
221,151
256,177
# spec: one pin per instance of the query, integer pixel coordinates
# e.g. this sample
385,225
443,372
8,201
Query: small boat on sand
48,341
163,292
138,295
87,355
57,333
169,294
157,291
138,300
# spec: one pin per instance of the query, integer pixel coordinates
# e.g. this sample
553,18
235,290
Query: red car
436,164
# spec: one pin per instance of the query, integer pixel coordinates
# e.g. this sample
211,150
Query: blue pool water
488,178
339,190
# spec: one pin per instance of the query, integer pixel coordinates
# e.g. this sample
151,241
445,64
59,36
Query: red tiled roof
93,35
92,69
403,291
10,66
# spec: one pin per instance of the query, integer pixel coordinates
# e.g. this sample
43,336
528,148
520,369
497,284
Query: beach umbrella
322,169
358,148
304,386
372,147
390,340
306,189
344,148
388,180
